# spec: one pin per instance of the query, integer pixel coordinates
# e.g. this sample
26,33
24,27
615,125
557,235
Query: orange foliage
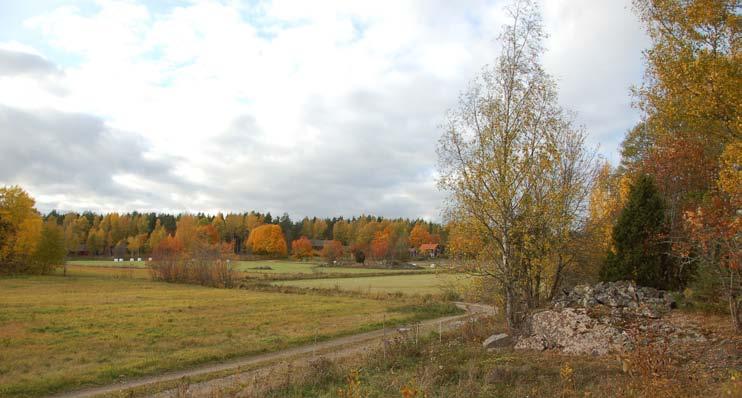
267,239
332,250
301,248
380,245
168,247
419,235
208,233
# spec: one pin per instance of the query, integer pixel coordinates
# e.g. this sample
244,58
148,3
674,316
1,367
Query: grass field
108,263
106,272
297,267
276,267
407,284
59,333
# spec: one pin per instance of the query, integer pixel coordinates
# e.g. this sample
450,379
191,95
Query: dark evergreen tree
640,252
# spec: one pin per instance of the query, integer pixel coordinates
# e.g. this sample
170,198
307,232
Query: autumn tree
419,235
342,231
235,230
95,241
208,234
187,231
319,226
51,249
134,244
157,235
689,99
301,248
167,257
715,231
20,229
267,239
332,250
462,243
499,159
380,246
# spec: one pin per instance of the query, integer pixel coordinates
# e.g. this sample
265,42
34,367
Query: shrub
206,264
301,248
333,250
359,256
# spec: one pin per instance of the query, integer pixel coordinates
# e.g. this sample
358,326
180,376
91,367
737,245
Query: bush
206,264
332,251
359,256
301,248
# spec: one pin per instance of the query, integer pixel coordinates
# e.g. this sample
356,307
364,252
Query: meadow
300,267
108,263
258,267
430,283
58,334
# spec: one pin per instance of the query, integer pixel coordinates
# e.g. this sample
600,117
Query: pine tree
639,254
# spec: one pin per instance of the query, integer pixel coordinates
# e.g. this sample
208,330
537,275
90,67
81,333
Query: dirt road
258,365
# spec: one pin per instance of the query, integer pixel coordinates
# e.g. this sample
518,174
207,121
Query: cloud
77,156
22,63
329,108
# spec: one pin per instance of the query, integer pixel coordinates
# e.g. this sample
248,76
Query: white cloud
316,108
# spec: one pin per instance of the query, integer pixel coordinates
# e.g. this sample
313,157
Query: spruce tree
640,255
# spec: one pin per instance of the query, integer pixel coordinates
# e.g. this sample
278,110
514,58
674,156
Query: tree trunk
734,309
557,278
509,308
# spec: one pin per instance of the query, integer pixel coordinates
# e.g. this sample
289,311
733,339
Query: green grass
299,267
407,284
108,263
105,272
277,267
58,334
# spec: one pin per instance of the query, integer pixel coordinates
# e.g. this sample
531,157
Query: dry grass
460,367
405,284
61,333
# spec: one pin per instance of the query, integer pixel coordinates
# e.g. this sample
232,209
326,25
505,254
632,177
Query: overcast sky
322,108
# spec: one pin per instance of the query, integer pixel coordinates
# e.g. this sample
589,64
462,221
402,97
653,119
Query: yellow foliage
20,227
267,239
27,237
730,173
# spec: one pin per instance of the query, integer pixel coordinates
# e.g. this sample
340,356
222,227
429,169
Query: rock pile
602,319
645,301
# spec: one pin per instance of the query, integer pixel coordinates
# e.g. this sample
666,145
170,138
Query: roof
428,246
318,242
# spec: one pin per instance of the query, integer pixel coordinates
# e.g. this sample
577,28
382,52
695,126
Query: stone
604,318
572,331
497,341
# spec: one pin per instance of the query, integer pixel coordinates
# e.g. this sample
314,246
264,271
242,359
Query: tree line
136,234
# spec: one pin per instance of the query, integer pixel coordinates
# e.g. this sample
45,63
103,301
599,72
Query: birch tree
504,159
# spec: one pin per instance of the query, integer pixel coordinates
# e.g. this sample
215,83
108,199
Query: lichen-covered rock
623,294
572,331
602,319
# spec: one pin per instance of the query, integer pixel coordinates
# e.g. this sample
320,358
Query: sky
315,108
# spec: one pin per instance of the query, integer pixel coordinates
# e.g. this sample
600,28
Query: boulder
605,318
572,331
497,341
622,294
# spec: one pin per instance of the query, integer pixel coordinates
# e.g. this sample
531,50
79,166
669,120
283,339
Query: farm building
431,249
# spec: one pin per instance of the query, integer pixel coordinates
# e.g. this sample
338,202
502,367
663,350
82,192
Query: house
431,249
318,244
